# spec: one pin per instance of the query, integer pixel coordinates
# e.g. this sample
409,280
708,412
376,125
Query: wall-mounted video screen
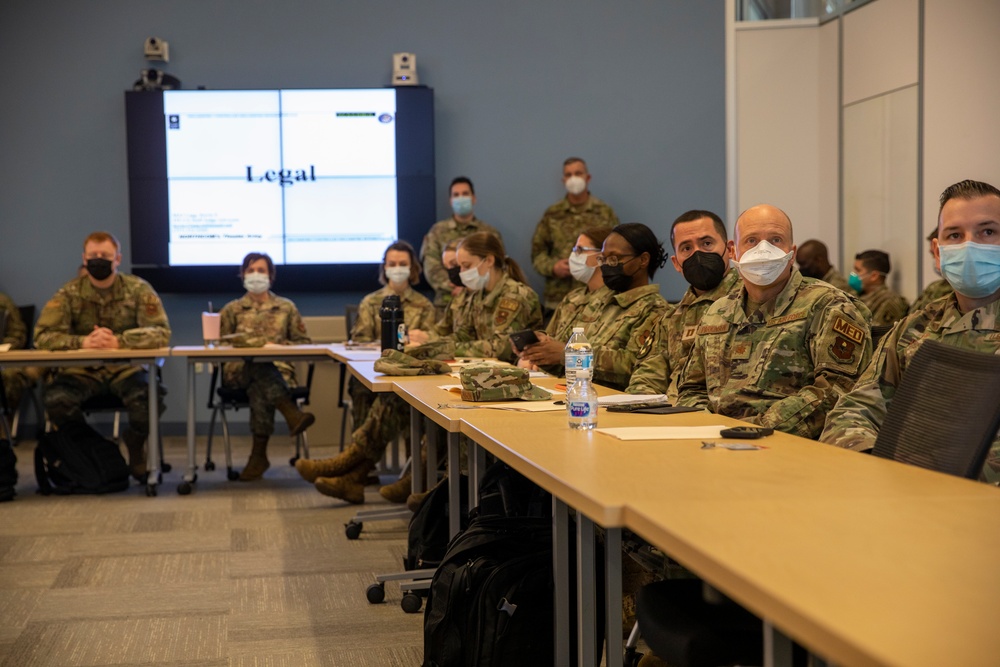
321,180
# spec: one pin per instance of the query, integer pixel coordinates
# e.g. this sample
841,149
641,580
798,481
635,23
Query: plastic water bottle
579,354
581,402
393,327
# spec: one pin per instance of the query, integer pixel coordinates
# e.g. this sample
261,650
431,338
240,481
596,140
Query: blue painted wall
635,87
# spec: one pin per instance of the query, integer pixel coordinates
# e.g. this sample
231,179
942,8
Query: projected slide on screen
308,176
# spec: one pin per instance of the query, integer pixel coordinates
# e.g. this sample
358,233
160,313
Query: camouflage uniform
15,380
453,314
835,278
440,235
855,422
275,321
133,311
936,290
418,313
660,373
556,235
786,369
887,307
620,327
490,317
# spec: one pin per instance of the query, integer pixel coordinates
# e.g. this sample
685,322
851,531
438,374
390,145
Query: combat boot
258,462
135,443
349,487
298,421
343,463
398,491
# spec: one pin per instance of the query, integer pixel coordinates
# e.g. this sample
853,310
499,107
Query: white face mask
576,185
763,264
256,283
398,275
578,267
473,280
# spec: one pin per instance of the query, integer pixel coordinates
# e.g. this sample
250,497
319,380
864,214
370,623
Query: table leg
454,485
586,598
192,471
560,569
153,459
432,454
415,470
777,647
613,595
477,467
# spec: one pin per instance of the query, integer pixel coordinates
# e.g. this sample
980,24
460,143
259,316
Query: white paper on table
663,432
625,399
524,406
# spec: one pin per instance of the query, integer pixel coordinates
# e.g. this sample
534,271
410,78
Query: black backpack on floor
491,600
427,538
8,470
78,459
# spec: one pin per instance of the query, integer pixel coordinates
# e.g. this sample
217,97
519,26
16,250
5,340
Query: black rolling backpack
78,459
8,470
491,600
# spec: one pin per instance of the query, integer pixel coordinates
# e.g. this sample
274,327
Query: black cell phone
522,339
746,432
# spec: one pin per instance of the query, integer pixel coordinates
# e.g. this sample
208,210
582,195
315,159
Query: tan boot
349,487
136,446
258,462
650,660
343,463
414,499
398,491
298,421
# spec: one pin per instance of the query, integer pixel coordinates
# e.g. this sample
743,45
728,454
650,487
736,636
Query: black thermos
391,313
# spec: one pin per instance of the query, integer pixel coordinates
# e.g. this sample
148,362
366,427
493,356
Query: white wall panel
881,48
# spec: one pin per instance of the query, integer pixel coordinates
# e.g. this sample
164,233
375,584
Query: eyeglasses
612,260
577,249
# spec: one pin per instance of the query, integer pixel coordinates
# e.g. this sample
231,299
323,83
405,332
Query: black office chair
687,628
222,398
29,398
878,331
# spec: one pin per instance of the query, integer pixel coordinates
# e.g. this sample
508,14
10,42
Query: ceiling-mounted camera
157,49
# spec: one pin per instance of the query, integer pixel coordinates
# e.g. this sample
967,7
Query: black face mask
99,268
453,276
704,270
615,278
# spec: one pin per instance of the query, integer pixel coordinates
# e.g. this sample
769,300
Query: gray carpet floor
236,574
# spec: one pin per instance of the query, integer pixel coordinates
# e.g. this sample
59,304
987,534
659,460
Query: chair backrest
946,411
351,317
878,331
28,317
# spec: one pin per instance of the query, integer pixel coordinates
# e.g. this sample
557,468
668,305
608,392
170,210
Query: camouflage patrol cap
394,362
495,383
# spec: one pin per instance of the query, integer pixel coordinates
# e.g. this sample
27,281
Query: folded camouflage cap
496,383
394,362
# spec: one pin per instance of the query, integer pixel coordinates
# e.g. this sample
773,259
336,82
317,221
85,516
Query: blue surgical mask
854,280
461,206
973,269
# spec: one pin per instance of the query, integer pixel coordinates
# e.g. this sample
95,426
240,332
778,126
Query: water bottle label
581,409
402,337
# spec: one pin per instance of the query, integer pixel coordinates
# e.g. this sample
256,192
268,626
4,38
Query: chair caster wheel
166,467
184,488
209,465
353,529
232,475
150,490
411,602
375,593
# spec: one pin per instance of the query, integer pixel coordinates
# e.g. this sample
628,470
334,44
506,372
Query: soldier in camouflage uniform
699,240
780,351
871,268
103,310
619,325
969,318
814,262
462,195
937,289
561,225
15,380
259,318
498,305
